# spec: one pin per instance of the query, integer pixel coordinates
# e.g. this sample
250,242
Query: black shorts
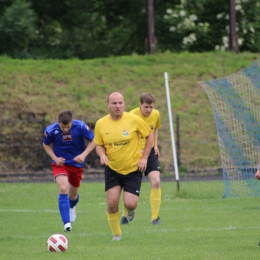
152,163
130,183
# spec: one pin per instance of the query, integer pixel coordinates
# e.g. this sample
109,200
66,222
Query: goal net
235,102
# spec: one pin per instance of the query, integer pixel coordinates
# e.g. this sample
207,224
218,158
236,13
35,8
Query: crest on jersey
125,133
151,127
66,137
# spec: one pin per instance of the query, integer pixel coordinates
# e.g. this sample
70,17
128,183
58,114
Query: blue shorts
152,163
130,182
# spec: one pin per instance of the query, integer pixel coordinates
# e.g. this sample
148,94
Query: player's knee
131,206
156,184
73,196
64,189
112,204
112,209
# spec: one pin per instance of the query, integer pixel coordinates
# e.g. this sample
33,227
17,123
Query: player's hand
103,160
257,175
157,152
60,161
142,165
79,158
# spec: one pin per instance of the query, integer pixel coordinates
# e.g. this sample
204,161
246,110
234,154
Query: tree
17,29
102,28
204,26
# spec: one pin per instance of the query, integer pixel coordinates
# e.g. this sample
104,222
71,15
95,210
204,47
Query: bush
17,29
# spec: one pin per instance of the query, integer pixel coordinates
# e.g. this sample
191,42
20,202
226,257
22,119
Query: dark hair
65,117
147,97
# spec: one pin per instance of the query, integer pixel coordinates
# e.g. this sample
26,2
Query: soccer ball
57,243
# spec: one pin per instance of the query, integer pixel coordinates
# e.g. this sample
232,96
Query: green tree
102,28
88,29
17,29
204,26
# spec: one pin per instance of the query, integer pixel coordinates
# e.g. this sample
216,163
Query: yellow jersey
153,121
121,141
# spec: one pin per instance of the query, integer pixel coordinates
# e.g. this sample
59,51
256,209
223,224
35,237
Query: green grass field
197,223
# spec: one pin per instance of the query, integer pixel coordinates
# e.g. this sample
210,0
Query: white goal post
172,130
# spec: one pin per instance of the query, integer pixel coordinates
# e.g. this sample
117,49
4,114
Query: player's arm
81,157
58,160
156,149
101,152
146,152
100,148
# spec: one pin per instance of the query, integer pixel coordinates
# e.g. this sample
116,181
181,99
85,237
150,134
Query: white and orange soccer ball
57,243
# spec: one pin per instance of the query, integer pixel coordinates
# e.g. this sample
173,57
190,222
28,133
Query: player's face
146,109
116,105
65,128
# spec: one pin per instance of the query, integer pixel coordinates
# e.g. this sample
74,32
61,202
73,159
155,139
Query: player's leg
132,185
63,201
153,173
113,215
73,200
75,177
130,204
155,195
124,220
113,190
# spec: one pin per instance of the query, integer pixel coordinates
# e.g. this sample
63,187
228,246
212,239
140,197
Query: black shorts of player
130,182
152,163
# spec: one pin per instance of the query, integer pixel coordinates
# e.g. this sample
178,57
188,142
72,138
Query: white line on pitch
143,232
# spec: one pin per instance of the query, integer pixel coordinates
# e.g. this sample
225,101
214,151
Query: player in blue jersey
64,142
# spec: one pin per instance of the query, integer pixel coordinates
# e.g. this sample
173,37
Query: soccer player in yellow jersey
152,118
117,145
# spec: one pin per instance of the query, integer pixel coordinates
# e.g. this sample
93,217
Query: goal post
176,170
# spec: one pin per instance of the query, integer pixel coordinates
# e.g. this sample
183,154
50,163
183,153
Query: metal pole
44,159
172,131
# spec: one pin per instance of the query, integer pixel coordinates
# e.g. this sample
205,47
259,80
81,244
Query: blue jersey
68,145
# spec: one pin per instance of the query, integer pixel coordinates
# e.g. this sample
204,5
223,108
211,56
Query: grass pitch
197,223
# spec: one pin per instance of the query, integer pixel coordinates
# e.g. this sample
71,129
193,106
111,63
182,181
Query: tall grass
197,224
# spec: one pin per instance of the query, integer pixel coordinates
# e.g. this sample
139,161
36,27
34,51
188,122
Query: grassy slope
44,87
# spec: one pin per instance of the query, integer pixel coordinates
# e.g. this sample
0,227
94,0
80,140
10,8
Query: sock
124,210
73,203
113,220
64,207
155,202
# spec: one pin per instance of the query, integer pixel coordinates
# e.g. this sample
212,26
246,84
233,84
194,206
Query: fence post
44,157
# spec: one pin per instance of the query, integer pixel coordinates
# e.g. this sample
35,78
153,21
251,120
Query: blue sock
64,207
74,202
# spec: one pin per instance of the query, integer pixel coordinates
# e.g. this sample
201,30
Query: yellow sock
113,220
155,201
124,211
